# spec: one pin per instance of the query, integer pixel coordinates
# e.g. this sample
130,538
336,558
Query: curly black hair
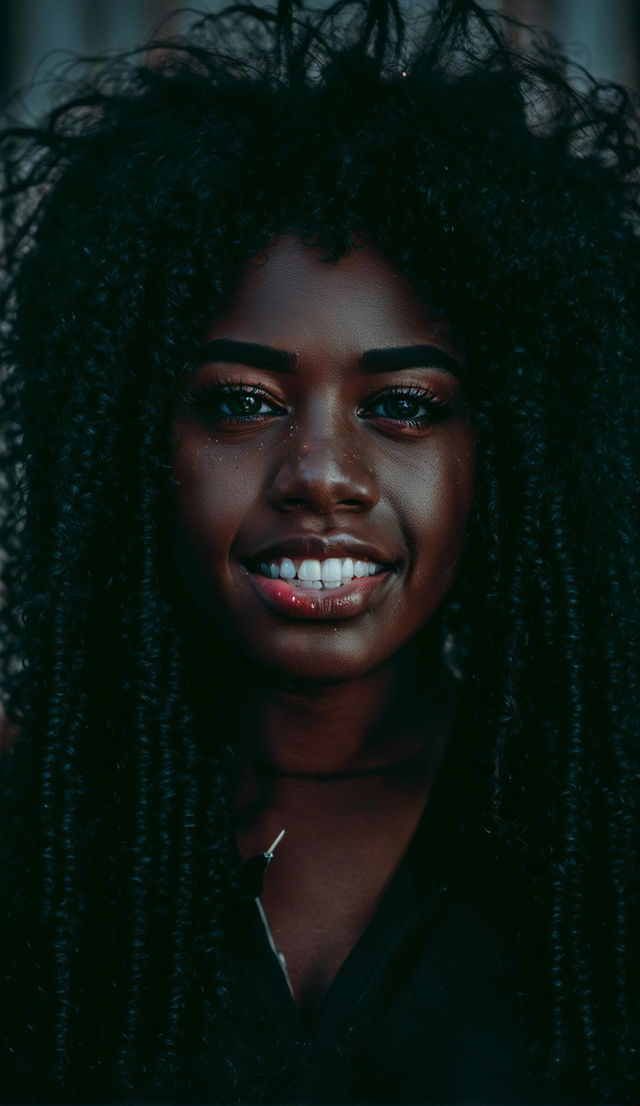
505,185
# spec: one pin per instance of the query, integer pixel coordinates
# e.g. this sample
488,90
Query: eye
238,404
400,407
408,407
231,403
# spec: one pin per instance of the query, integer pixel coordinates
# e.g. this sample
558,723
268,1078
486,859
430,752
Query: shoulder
9,732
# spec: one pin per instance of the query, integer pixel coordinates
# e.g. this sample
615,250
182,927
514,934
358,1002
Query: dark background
604,35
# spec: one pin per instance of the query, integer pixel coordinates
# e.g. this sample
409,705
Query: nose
323,472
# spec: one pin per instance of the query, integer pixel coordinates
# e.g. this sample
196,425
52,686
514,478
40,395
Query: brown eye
240,405
232,403
401,407
408,407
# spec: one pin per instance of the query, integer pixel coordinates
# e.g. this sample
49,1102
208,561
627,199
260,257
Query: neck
326,729
344,728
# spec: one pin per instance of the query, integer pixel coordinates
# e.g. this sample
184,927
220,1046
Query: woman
319,401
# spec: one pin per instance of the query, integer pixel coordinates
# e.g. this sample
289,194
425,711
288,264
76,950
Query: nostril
313,477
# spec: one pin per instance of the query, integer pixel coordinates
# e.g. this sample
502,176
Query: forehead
290,296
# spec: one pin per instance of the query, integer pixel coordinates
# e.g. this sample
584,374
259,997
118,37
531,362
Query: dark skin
362,454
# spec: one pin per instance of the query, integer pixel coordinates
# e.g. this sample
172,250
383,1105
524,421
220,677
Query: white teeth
309,570
287,569
330,573
347,569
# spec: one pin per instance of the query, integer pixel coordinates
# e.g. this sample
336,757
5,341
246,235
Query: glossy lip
313,547
335,604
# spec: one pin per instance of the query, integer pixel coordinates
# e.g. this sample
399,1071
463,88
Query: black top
433,1005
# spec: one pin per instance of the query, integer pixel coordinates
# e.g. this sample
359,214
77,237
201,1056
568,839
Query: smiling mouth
319,575
318,599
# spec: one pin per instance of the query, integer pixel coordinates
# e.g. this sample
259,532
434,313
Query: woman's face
324,464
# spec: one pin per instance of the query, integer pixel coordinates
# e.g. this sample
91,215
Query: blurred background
604,35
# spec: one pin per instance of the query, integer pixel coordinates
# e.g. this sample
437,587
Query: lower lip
290,600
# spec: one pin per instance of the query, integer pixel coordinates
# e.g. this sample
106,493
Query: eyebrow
409,357
248,353
373,360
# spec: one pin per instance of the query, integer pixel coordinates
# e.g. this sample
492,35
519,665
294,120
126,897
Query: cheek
211,499
439,499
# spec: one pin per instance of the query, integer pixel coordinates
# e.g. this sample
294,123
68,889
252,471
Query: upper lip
311,547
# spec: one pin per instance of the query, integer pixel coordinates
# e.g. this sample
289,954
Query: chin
316,665
319,674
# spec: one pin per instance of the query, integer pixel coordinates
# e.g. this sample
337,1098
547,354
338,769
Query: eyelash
208,397
437,410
